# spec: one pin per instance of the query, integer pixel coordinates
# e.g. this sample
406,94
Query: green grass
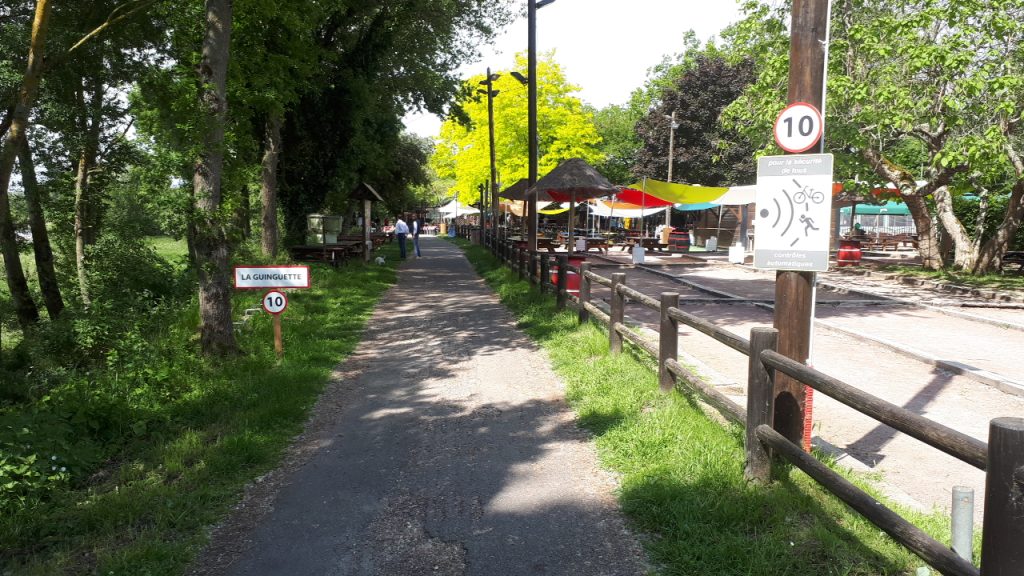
681,474
1009,281
168,248
190,433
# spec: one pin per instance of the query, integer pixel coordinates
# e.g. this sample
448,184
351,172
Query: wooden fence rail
1002,458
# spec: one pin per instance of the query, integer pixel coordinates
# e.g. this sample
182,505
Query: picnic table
1014,257
333,254
648,243
548,244
598,243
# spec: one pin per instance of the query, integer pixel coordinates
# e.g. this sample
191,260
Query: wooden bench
647,243
333,254
1014,257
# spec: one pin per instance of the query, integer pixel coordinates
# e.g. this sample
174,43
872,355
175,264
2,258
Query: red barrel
849,253
679,241
572,280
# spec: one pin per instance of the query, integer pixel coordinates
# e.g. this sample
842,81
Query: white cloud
604,46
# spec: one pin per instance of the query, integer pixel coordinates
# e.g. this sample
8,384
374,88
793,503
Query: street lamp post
491,93
531,24
671,157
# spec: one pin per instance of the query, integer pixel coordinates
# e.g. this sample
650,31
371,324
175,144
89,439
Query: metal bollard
963,522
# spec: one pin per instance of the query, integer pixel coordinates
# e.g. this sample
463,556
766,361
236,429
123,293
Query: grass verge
681,473
1008,281
187,434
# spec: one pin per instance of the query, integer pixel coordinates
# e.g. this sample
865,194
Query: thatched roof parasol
573,178
516,191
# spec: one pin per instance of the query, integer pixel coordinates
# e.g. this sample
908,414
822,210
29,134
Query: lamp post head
543,3
522,79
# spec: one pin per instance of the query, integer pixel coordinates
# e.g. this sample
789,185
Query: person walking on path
417,228
427,455
401,231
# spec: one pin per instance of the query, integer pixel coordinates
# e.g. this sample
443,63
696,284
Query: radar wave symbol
784,212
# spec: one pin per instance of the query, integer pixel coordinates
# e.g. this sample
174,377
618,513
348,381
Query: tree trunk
40,236
990,256
24,306
209,240
928,238
81,223
965,250
268,183
244,215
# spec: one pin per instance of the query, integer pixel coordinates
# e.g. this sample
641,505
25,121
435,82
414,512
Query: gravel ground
910,471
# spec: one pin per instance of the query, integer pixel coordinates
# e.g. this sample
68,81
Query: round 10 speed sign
798,128
275,302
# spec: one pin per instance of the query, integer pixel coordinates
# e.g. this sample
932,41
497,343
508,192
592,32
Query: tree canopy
565,129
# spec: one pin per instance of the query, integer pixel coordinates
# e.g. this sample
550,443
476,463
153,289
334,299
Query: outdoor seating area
1014,258
334,253
885,241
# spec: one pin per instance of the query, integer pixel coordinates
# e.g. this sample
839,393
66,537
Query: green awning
894,208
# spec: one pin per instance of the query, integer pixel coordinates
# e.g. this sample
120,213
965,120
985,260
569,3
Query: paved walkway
443,446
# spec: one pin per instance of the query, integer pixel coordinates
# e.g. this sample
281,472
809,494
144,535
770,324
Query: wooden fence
1002,458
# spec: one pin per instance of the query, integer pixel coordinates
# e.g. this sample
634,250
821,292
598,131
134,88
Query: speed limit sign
274,302
798,128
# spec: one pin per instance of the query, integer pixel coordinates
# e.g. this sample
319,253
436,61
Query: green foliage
930,88
616,125
566,130
704,151
157,444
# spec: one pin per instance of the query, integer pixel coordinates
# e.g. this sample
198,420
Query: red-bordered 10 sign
798,127
274,302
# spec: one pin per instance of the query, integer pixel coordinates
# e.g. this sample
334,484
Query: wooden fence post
584,315
563,276
545,265
618,305
1003,526
668,340
760,404
517,261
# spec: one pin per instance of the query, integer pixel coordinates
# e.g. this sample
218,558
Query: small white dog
379,260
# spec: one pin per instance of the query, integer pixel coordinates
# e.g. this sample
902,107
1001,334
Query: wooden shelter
368,195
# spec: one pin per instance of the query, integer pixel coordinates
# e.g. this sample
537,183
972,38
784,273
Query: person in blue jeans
401,231
417,228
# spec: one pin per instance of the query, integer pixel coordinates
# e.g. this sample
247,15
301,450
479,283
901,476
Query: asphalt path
443,446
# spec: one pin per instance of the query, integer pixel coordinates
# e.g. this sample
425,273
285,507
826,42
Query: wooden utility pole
794,290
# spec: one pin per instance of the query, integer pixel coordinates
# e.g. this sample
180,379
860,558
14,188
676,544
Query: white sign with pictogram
274,302
794,209
798,127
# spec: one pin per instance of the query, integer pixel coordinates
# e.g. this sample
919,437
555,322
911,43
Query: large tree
565,130
376,61
704,152
925,94
206,227
13,141
616,125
